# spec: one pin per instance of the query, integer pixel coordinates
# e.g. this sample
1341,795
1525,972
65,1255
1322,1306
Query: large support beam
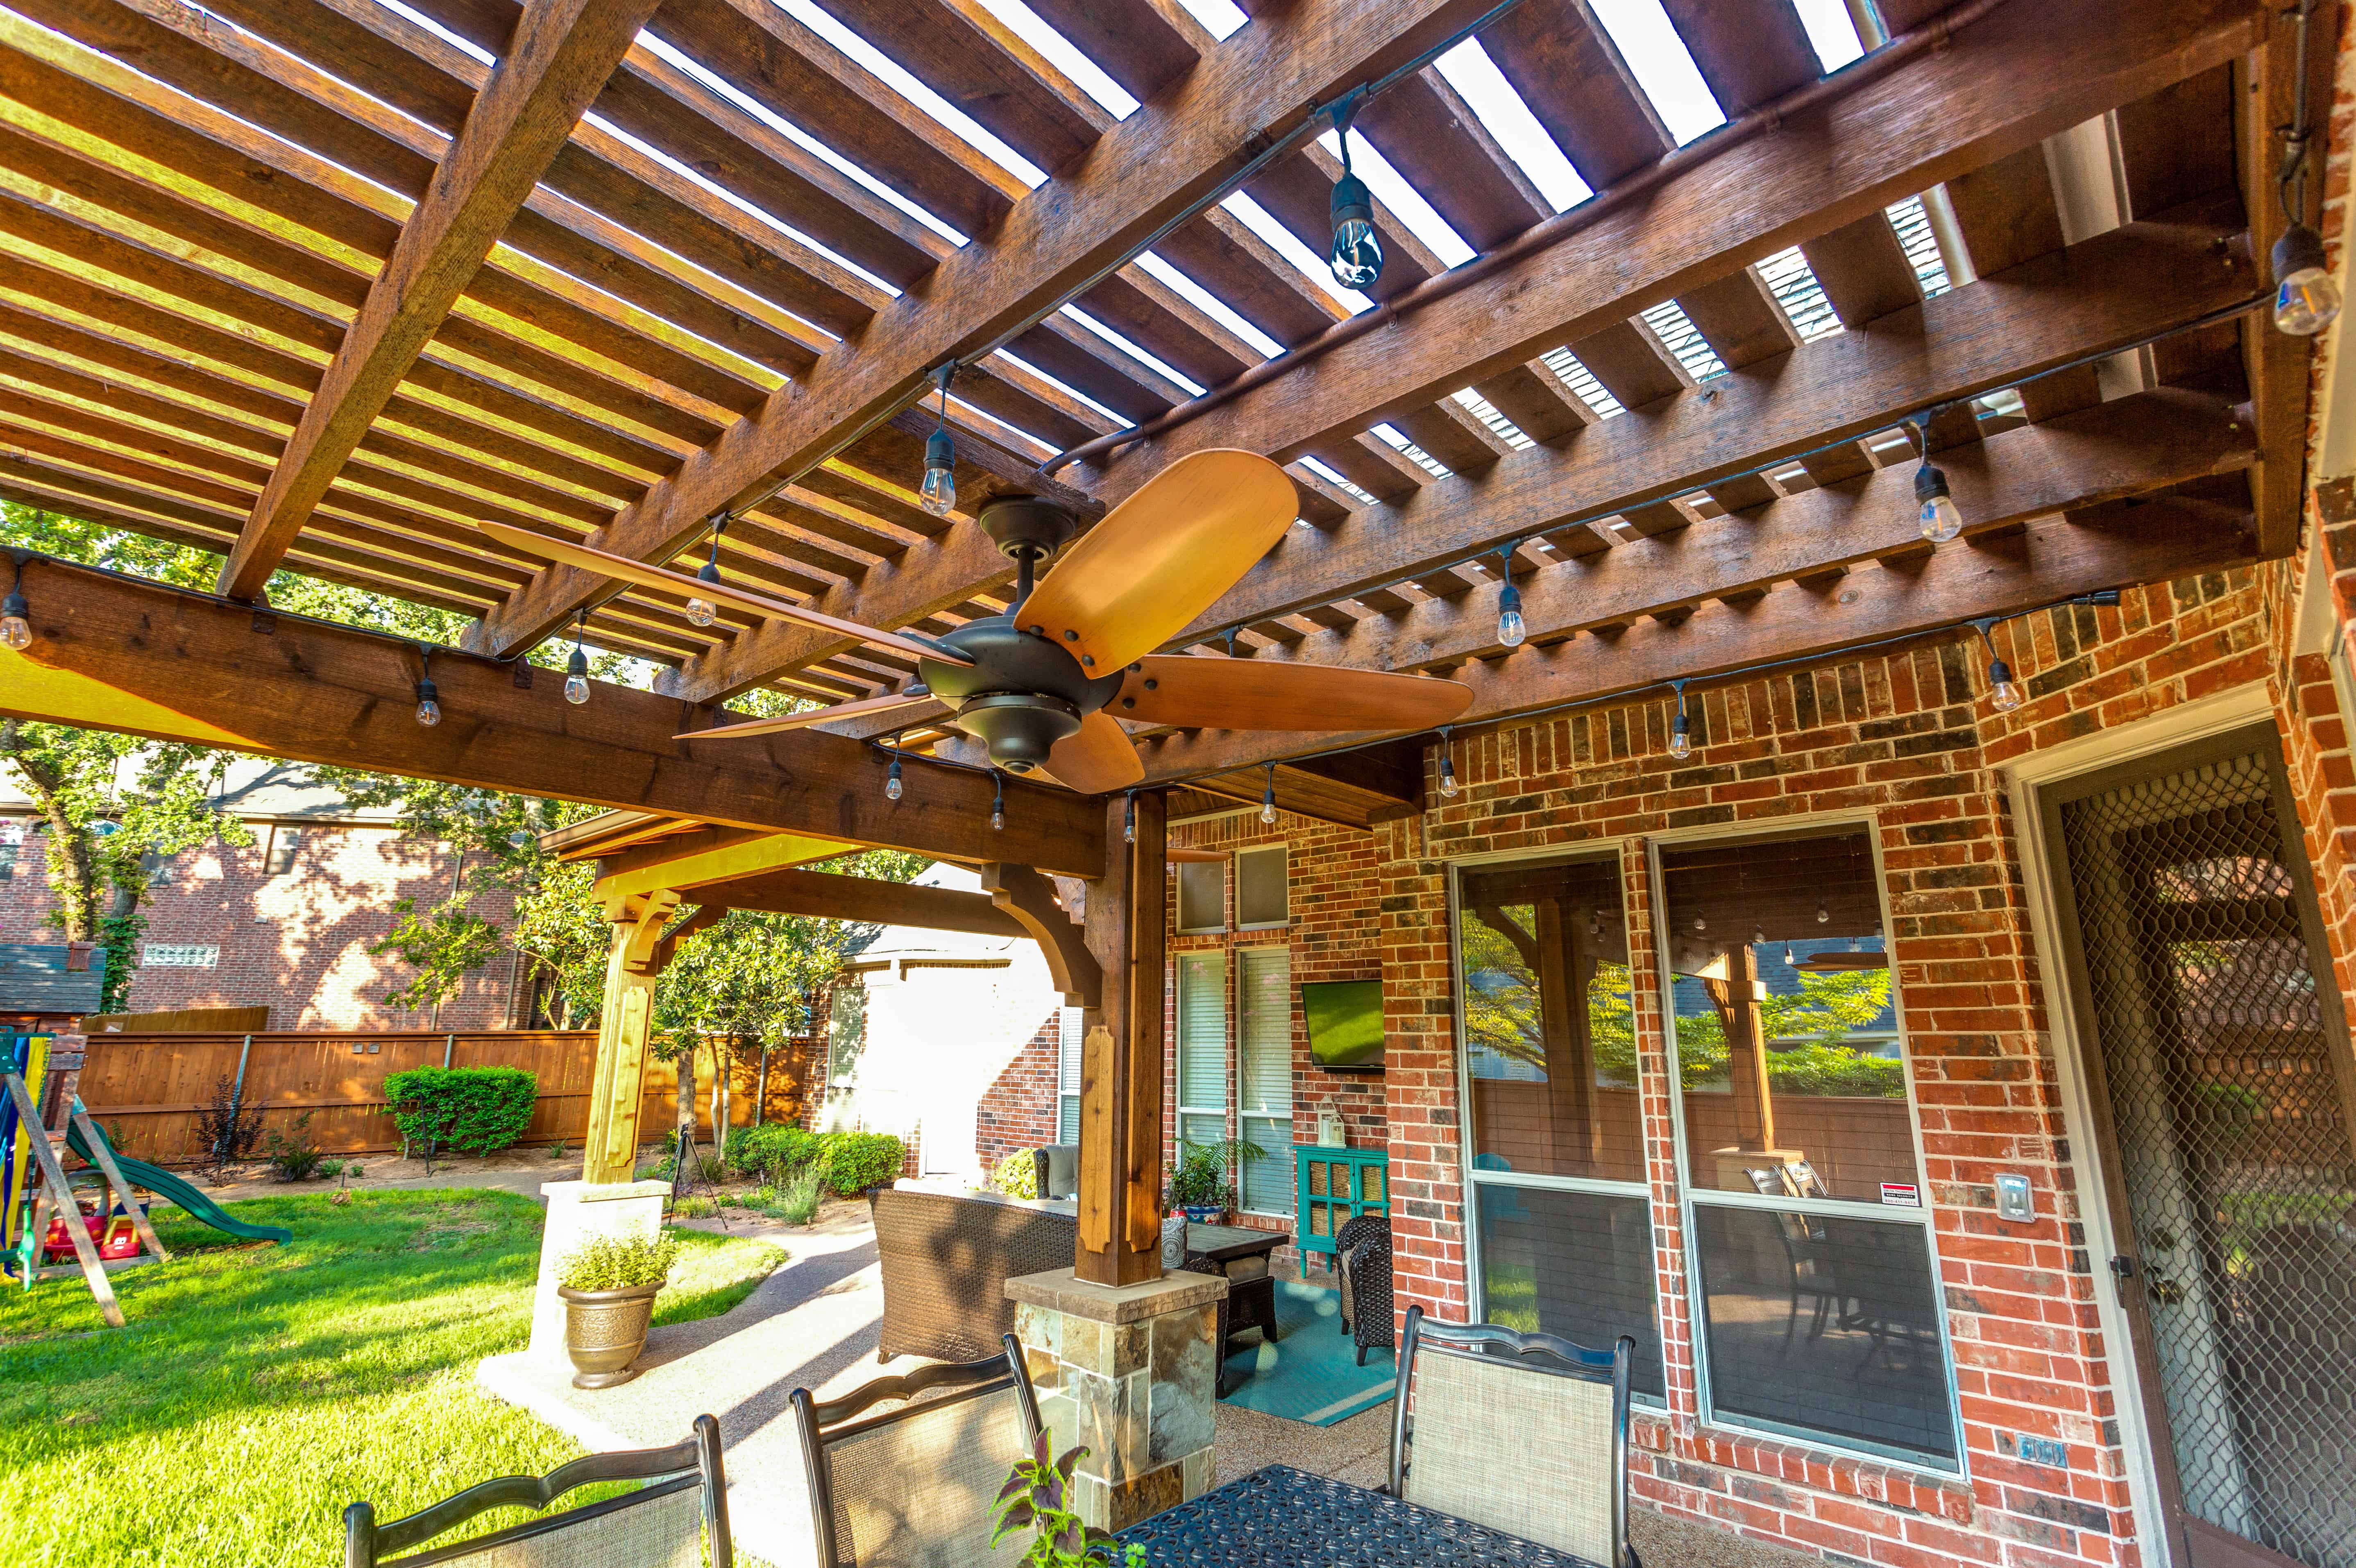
556,62
2014,76
1024,897
863,899
2004,83
120,653
1120,1056
610,1150
2118,545
1155,165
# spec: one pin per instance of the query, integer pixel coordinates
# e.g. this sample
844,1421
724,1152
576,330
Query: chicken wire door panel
2215,1047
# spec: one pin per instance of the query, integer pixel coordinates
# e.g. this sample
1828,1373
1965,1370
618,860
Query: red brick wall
1019,1112
1909,742
298,942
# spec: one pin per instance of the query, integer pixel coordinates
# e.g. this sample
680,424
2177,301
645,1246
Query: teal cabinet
1335,1185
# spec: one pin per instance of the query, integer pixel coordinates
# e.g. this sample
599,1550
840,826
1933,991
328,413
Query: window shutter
1265,1016
1069,1035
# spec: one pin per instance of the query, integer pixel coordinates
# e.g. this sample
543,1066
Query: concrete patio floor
814,1323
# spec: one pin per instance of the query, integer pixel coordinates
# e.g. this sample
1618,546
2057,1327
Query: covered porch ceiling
323,283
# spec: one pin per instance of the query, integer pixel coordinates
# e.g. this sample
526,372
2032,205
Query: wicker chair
947,1257
1523,1433
914,1487
1363,1249
1057,1167
663,1524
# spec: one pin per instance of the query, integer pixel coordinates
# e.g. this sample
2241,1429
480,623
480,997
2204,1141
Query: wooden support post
102,1154
1120,1056
59,1197
610,1151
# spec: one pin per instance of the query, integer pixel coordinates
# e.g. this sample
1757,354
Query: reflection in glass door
1562,1226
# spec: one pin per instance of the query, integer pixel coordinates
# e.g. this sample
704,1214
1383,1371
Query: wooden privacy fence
149,1089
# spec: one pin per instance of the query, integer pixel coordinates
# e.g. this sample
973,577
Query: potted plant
1036,1498
1203,1181
609,1285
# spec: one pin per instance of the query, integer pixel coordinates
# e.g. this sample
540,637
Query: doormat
1309,1372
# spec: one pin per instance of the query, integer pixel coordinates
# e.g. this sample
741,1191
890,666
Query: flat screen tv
1345,1024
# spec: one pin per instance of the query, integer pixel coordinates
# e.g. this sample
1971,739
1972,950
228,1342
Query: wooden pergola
315,284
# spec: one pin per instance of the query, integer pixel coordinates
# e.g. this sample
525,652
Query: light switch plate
2013,1198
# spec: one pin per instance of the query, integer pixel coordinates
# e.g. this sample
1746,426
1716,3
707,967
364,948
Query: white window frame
1219,922
1209,957
1283,881
1279,1153
1808,826
1069,1032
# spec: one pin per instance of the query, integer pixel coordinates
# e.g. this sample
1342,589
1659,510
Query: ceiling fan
1043,685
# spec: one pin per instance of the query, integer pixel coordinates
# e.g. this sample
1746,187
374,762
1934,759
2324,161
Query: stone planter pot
604,1330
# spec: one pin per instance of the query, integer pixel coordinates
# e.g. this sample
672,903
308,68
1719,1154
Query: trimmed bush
473,1110
857,1161
773,1151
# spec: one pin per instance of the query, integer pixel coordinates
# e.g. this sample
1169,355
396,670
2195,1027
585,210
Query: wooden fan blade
1162,558
1097,759
622,569
751,728
1256,694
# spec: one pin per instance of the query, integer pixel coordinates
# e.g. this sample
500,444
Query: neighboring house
284,922
953,1041
41,987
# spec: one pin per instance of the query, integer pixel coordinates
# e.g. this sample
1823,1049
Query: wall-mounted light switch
2013,1200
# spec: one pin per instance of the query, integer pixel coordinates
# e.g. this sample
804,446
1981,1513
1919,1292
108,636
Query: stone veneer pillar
576,1211
1131,1373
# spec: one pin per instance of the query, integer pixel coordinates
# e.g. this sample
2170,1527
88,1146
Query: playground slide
165,1185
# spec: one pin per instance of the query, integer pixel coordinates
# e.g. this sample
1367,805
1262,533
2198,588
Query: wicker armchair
1523,1433
1363,1249
947,1257
663,1524
913,1487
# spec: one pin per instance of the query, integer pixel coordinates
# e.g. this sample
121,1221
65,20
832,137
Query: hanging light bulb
1758,936
2004,694
1787,956
2306,300
703,611
1511,627
1700,924
1447,768
892,780
1935,511
1267,797
998,801
1129,818
15,631
576,669
1680,727
939,490
1357,254
1824,915
429,700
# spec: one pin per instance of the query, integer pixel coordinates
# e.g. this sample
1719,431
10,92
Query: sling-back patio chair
913,1487
682,1498
1523,1433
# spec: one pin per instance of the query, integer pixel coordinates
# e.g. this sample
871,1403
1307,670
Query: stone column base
1131,1373
576,1211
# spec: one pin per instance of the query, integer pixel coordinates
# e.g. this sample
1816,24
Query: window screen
1264,1074
1201,1048
1575,1264
1202,895
1261,898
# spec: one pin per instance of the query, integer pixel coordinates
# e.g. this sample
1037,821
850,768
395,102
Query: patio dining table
1284,1518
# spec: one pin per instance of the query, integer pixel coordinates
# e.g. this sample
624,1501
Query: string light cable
939,492
2307,298
429,699
700,611
16,625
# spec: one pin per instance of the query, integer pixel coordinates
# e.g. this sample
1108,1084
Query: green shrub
473,1110
1017,1175
857,1161
773,1151
618,1263
291,1155
799,1199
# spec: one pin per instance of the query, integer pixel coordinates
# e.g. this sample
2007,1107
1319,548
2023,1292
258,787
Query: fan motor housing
1026,525
1020,695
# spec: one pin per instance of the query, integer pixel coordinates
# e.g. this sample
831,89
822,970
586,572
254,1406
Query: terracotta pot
604,1330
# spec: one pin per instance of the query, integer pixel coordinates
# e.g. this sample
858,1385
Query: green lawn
258,1390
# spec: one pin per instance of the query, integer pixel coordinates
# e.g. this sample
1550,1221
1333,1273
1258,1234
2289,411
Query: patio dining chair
1362,1249
913,1486
683,1498
1523,1433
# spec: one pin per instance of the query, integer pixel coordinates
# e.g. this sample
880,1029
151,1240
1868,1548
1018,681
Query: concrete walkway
813,1323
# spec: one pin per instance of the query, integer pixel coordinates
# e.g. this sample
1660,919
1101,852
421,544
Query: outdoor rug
1310,1372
